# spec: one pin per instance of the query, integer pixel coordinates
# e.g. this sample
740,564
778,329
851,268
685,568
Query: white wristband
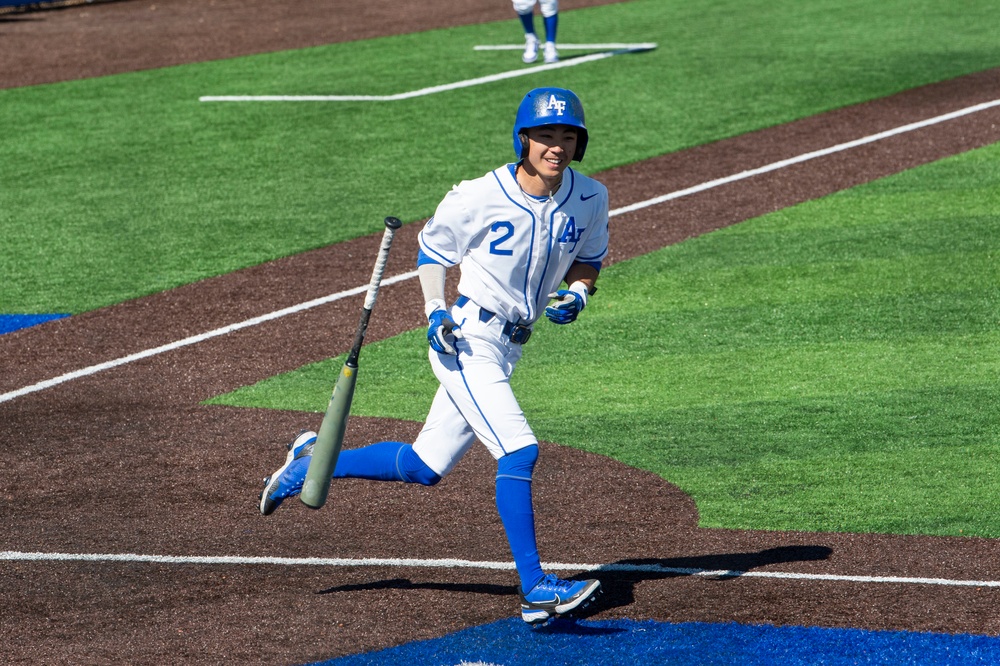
432,305
580,289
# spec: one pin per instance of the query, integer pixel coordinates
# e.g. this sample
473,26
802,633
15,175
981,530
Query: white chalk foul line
195,339
774,166
644,46
805,157
573,62
656,569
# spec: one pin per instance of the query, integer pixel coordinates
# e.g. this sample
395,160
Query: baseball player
550,19
517,234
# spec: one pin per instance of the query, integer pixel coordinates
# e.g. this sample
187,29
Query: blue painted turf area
564,642
10,322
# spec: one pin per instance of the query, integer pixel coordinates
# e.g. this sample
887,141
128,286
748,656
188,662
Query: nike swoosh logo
584,198
553,600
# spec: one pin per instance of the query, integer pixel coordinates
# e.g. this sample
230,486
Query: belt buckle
519,334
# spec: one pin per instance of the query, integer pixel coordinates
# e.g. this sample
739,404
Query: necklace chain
532,201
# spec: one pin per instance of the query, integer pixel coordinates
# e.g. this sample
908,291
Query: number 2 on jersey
506,229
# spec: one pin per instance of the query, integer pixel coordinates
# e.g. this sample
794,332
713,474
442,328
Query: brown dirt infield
127,461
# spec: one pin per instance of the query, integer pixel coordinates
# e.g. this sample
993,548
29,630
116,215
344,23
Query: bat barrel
330,437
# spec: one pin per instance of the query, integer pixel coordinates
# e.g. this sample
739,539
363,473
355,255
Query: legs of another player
550,53
550,18
525,11
551,24
530,54
528,22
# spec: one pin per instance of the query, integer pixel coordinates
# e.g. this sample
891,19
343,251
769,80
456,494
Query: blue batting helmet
550,106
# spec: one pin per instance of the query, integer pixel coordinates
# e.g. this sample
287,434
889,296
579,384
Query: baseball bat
330,437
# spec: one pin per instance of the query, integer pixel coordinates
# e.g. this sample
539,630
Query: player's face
551,148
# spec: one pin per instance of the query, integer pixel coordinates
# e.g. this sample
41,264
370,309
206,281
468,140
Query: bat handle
391,225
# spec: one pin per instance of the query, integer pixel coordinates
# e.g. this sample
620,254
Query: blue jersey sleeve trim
596,265
424,258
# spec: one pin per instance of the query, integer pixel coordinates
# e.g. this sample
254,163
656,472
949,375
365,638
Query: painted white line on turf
423,91
195,339
774,166
642,46
805,157
470,564
781,575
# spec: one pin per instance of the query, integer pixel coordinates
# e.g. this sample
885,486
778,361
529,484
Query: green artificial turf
827,367
126,185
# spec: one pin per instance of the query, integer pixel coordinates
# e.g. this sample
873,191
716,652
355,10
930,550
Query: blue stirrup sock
385,461
514,472
550,23
528,21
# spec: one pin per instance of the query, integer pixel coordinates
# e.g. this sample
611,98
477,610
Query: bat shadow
566,625
407,584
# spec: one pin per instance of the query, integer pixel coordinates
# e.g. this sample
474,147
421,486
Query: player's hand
568,305
442,332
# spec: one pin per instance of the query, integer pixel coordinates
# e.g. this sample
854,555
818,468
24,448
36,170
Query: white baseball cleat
551,54
530,49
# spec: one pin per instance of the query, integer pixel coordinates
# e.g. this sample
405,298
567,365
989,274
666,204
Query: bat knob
393,223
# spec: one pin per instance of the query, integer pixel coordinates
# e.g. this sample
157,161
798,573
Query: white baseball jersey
514,249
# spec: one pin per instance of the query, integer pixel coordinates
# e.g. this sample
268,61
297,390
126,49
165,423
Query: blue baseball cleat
287,480
553,597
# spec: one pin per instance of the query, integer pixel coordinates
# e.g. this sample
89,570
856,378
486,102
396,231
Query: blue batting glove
568,307
442,332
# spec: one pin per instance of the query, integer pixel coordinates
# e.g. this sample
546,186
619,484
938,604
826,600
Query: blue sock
551,23
514,505
384,461
528,21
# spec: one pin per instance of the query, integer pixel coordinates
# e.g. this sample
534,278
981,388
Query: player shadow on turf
618,579
557,625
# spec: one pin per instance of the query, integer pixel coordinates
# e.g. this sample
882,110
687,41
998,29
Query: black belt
516,333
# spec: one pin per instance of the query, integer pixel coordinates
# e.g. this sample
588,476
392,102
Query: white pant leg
445,437
523,6
548,7
475,399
